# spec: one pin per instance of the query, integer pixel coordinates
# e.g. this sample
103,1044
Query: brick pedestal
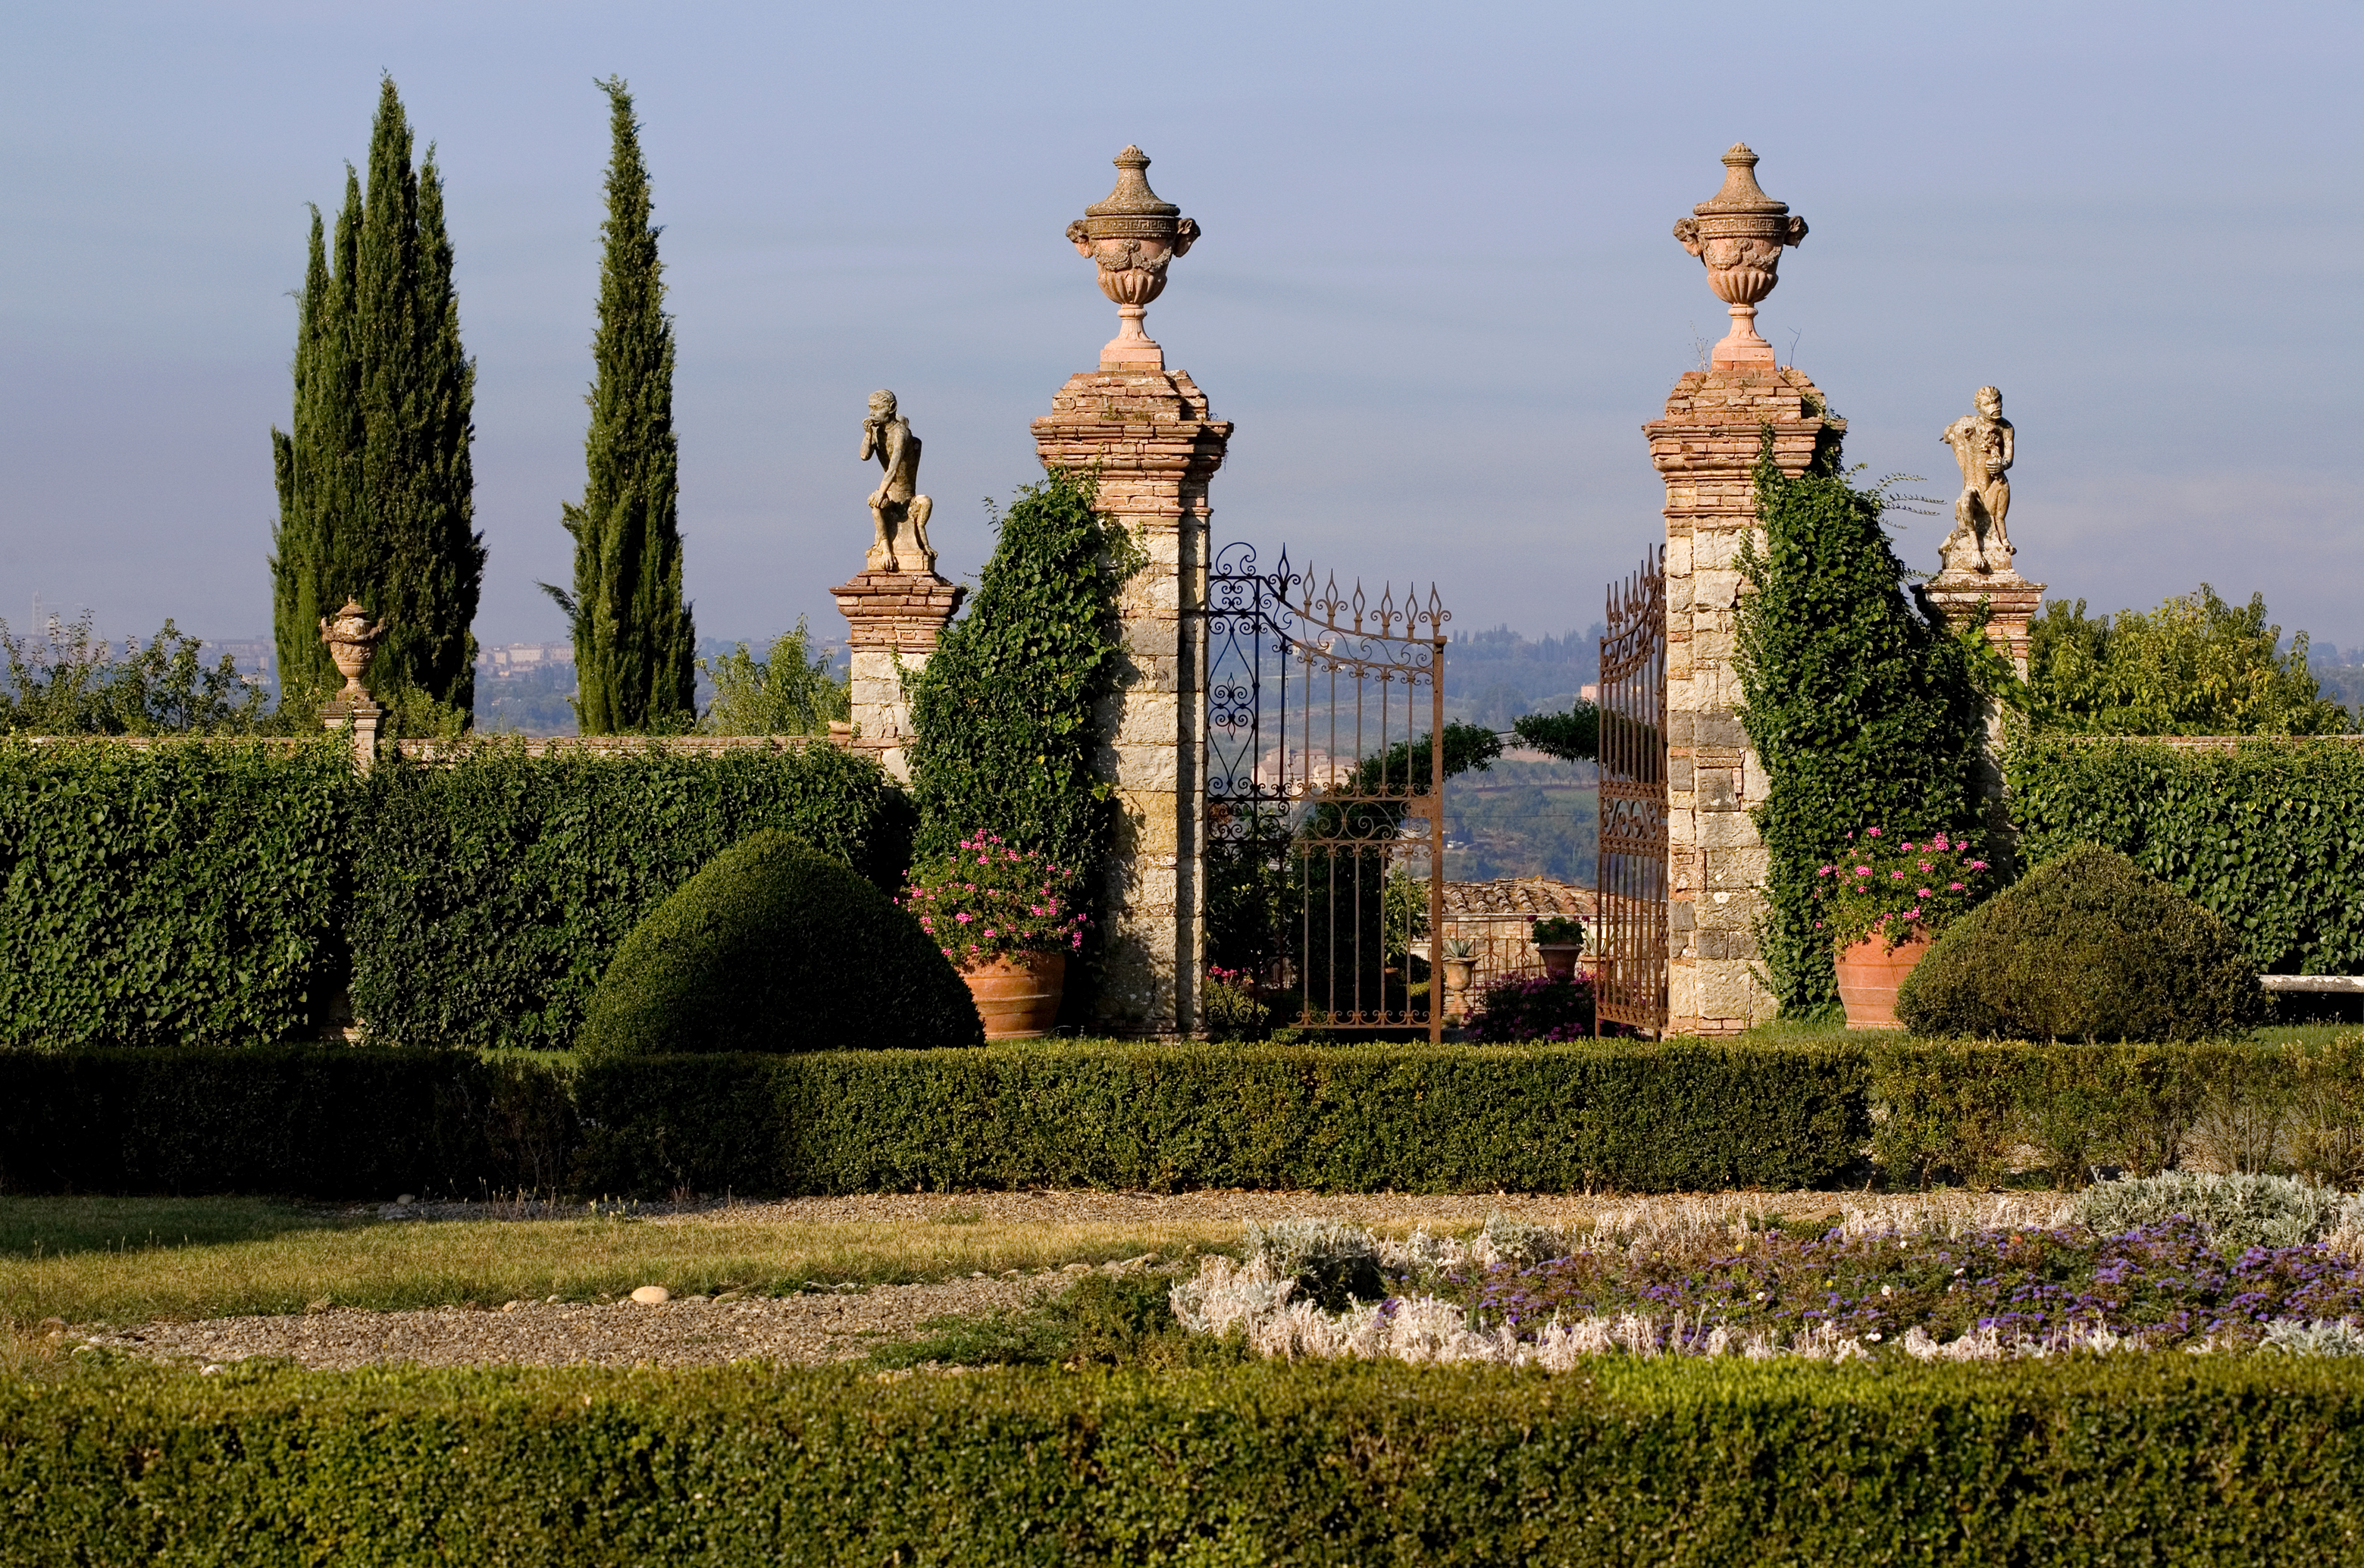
895,618
1705,448
1146,433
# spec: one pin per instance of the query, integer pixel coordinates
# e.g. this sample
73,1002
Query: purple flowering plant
1521,1007
987,901
1886,885
2164,1285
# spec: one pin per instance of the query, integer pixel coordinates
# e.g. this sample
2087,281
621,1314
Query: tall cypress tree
376,487
635,649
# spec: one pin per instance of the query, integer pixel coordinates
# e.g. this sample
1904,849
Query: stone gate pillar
1705,449
1146,432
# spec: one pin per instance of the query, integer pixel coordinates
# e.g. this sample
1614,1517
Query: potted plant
1460,961
1882,902
1007,919
1560,939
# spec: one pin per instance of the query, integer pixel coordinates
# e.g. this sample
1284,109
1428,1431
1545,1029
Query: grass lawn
128,1260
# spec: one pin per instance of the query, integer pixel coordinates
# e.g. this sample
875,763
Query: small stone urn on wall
351,641
1739,233
1132,235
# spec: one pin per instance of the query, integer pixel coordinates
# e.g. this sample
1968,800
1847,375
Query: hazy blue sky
1436,292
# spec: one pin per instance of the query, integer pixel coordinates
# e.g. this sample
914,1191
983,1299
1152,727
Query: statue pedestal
895,618
364,717
1146,433
1952,599
1705,449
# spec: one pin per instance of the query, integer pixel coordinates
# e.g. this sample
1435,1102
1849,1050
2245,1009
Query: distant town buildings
514,659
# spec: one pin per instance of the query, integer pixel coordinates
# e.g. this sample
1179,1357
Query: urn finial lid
1133,197
1741,193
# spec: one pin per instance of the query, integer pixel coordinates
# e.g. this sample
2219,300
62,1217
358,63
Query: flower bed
1521,1295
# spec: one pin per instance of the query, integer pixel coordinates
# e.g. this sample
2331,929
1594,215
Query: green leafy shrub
184,894
773,947
2181,1459
2089,947
1229,1008
2193,666
66,680
1862,710
2270,836
491,894
791,691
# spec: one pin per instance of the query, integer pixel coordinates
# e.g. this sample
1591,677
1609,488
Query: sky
1436,292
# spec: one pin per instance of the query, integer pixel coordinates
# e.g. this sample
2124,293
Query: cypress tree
375,486
635,647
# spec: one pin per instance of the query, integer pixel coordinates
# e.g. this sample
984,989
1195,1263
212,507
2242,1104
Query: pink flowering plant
987,901
1887,884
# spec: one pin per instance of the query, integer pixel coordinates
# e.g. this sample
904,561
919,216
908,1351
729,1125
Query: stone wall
1705,449
1146,433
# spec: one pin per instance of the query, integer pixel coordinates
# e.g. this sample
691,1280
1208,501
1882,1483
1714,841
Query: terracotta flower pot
1559,958
1018,997
1870,973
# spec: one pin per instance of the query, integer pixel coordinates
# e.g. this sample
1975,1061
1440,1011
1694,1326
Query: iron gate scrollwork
1631,974
1325,793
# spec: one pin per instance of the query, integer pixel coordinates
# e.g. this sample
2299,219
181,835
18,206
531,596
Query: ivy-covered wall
215,893
2268,833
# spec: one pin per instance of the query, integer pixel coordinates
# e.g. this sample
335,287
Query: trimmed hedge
213,893
775,946
2089,946
1629,1114
2159,1460
1626,1115
491,894
2268,835
1957,1111
319,1121
179,893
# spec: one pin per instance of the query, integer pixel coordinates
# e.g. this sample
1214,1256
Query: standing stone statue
1982,446
898,514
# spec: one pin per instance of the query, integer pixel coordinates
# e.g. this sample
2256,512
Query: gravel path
810,1329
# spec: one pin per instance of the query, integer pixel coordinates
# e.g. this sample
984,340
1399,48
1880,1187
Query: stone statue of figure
897,513
1982,446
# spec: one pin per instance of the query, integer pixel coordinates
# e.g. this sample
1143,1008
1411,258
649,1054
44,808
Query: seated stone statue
898,514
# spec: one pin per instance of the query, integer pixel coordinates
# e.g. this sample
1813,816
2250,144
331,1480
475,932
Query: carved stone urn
1133,236
1739,234
351,639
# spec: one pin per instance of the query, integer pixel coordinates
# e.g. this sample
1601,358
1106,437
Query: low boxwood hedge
339,1122
2156,1460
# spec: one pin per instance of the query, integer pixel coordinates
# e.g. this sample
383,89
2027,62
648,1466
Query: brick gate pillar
1146,432
1705,449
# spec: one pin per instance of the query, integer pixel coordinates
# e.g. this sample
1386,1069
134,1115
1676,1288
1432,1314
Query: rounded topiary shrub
772,946
2087,947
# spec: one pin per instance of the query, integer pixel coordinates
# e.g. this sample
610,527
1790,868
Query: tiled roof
1517,896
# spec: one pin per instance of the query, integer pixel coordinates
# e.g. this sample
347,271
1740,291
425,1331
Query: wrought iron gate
1325,795
1630,939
